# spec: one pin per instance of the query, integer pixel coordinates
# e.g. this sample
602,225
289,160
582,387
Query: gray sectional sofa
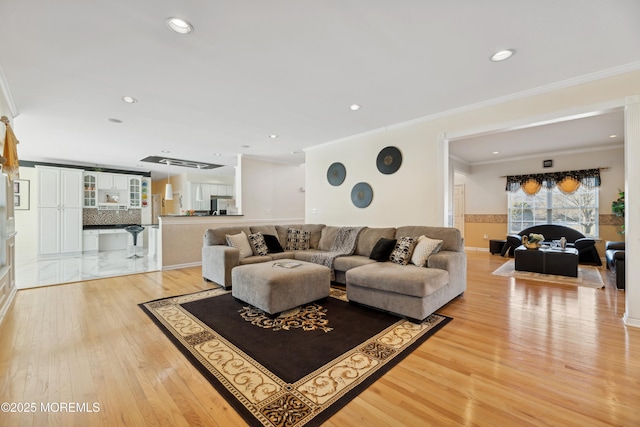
407,290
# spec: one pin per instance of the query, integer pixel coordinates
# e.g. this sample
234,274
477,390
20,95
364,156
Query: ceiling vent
180,162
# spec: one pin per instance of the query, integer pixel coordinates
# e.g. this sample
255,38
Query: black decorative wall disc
336,174
389,160
361,195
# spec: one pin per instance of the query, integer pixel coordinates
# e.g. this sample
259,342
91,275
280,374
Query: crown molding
563,84
6,93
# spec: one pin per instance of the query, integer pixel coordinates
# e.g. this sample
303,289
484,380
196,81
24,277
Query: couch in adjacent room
587,252
410,271
614,255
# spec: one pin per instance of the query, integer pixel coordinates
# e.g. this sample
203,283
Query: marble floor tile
33,271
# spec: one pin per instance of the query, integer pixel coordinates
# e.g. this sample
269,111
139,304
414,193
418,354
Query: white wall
485,188
27,220
415,194
271,190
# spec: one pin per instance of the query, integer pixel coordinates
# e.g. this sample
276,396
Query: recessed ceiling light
502,55
273,136
218,154
496,152
613,136
245,146
112,120
180,26
354,107
165,151
295,152
129,99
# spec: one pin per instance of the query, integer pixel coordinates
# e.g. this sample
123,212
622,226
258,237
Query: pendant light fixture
168,189
199,197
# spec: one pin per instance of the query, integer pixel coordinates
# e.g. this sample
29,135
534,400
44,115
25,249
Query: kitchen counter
112,226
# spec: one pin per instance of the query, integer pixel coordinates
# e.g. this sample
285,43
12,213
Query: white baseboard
471,248
7,304
179,266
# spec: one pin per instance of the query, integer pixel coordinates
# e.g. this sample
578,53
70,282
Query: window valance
567,181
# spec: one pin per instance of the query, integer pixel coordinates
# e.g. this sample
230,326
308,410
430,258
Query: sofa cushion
345,263
370,236
297,239
273,244
451,237
218,236
327,237
258,245
240,241
424,248
305,255
382,250
264,229
390,277
402,252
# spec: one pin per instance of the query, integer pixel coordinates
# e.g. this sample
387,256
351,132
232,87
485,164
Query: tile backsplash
98,217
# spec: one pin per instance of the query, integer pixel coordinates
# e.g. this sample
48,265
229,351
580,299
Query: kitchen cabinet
135,183
90,239
60,200
208,191
89,191
112,181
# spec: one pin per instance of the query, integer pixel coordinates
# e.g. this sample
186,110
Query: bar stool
135,230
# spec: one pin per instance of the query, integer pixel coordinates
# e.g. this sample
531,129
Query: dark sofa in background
614,254
586,246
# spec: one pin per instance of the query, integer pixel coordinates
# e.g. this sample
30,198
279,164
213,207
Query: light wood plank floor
517,353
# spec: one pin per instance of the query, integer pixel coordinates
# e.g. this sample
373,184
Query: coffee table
273,288
546,260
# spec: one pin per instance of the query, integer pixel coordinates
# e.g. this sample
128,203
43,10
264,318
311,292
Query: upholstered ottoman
273,288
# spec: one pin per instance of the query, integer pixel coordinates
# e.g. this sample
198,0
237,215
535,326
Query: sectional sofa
408,290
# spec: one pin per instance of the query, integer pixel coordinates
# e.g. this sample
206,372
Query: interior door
458,207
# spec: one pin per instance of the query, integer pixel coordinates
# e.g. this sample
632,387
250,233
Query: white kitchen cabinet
90,190
135,183
112,181
90,240
60,200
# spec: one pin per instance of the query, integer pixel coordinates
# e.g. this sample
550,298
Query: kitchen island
180,236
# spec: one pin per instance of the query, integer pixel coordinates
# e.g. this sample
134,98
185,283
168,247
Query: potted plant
617,207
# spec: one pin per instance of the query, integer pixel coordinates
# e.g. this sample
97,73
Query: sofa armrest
615,245
217,262
455,263
584,242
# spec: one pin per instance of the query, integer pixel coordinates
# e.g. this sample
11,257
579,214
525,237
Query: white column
632,210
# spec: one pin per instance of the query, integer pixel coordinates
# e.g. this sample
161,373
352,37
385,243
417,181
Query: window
578,210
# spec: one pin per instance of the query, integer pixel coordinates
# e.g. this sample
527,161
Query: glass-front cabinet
89,189
134,192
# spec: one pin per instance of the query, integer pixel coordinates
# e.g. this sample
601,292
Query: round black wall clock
361,195
389,160
336,174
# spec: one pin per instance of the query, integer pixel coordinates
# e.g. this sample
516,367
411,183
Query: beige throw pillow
240,241
424,248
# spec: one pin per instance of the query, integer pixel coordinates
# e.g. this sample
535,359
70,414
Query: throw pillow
403,250
258,244
240,241
273,244
382,249
297,240
425,247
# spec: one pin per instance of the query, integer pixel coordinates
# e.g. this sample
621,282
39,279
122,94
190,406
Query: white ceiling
286,67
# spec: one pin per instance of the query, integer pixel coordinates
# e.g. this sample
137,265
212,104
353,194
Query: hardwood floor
518,353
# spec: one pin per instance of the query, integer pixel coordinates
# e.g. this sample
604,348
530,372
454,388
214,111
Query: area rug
294,370
588,276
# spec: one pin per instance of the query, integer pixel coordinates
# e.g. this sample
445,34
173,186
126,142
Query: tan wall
495,227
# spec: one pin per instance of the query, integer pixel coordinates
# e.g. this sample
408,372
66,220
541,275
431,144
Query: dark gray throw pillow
273,245
382,249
